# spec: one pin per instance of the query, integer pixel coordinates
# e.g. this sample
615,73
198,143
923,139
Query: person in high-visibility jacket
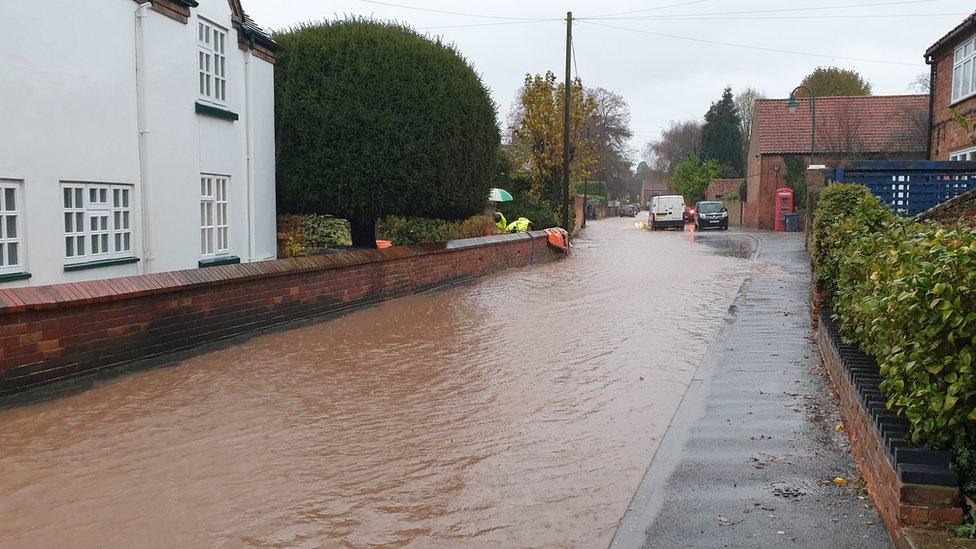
501,222
520,225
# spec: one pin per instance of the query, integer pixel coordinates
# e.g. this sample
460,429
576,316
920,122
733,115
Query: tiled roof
878,123
723,187
968,24
260,35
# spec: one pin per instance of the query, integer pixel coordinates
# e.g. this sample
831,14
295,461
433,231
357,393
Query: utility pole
566,106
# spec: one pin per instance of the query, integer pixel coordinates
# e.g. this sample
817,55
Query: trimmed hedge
905,293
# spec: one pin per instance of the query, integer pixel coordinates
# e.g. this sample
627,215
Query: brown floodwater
509,411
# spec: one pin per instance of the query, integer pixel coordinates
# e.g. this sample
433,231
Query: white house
135,137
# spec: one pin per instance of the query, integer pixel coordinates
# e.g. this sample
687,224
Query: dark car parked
628,210
711,215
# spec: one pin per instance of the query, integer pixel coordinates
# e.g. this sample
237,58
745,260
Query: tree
362,138
537,132
745,103
678,141
832,81
692,176
608,130
721,136
796,179
921,83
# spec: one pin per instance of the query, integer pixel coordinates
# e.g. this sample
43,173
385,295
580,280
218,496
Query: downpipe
142,15
249,159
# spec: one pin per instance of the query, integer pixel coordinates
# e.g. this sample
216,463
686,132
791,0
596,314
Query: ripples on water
510,411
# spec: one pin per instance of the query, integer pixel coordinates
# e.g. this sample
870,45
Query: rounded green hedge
373,119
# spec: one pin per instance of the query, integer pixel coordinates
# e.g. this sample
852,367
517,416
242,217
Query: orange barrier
559,238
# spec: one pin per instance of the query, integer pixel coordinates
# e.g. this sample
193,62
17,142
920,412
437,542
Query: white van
667,212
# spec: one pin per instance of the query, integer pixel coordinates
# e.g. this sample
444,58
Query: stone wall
51,333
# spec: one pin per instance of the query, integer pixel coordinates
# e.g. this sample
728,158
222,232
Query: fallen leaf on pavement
840,481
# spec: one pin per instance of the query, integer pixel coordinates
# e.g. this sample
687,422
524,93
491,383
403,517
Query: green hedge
905,293
417,230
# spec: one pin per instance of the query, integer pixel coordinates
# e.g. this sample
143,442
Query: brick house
654,183
874,127
952,62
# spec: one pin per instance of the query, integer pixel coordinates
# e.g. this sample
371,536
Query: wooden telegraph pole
566,106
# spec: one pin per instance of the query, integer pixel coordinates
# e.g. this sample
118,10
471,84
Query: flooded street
521,410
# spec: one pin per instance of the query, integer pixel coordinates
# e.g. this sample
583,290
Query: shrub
300,235
905,293
322,231
478,225
416,230
844,212
361,137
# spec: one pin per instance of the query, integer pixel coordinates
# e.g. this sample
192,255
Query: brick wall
50,333
947,135
761,185
900,504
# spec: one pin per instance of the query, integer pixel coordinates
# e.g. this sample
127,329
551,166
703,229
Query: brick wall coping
14,300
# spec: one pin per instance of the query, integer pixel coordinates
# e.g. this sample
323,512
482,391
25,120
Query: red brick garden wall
899,504
50,333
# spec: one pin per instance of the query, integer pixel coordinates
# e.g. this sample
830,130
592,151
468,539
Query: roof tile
882,123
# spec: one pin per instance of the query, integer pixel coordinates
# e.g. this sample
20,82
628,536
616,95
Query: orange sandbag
384,244
558,238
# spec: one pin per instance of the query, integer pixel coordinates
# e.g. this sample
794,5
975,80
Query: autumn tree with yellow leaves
537,133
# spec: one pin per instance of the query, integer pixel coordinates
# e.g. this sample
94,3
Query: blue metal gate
910,188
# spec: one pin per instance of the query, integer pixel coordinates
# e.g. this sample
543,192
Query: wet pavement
521,409
751,455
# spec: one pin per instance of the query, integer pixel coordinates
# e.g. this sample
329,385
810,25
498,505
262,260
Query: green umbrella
499,195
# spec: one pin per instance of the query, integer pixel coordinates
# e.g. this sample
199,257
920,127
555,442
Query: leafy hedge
905,293
301,235
417,230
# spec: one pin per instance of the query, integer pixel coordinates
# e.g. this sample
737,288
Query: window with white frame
11,228
964,155
964,71
97,221
212,42
213,215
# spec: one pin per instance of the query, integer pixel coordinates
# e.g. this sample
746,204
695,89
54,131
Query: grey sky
663,78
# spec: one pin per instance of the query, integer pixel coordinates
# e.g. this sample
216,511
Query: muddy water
510,411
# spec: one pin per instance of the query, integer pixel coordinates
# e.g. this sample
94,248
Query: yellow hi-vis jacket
520,225
502,223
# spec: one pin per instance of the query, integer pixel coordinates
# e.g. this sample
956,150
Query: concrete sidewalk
750,457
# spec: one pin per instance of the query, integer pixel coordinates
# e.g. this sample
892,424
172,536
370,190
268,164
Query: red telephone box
784,205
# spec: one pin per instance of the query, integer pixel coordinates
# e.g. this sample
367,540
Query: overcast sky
664,78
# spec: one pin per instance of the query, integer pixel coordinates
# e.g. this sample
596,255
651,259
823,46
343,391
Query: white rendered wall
68,112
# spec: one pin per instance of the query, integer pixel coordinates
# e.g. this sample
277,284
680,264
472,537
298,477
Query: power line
572,46
495,24
445,12
780,10
800,17
648,9
746,46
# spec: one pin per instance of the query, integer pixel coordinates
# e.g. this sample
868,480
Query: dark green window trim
218,261
14,276
216,112
99,263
